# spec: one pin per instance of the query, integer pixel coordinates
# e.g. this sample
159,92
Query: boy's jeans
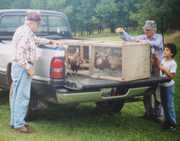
167,96
20,97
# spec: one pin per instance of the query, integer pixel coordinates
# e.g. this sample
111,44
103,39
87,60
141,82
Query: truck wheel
110,106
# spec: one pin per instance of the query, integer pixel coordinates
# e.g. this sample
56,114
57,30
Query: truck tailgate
78,82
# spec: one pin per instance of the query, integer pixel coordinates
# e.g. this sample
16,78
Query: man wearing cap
152,105
25,45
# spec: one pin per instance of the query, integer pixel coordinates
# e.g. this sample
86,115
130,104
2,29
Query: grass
83,123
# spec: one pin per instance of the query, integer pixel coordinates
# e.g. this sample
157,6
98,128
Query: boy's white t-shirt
171,66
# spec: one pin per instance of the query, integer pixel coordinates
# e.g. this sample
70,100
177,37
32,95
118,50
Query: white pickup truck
51,83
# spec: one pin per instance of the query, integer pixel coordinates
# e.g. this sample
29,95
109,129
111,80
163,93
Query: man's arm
157,43
22,43
41,41
125,36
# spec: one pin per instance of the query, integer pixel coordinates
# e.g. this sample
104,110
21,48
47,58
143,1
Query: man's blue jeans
19,100
167,96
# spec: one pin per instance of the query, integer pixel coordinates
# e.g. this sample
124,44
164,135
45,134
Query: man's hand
59,43
55,42
155,61
30,72
119,30
141,41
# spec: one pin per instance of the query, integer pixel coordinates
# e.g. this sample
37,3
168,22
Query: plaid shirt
25,45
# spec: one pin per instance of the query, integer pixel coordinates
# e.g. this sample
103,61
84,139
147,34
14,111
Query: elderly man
25,46
152,106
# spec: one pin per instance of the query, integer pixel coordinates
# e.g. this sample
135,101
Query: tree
20,4
107,12
164,12
5,4
87,15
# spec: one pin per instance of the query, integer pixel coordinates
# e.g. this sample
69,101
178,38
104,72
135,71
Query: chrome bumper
64,97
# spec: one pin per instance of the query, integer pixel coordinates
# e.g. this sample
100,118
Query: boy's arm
167,72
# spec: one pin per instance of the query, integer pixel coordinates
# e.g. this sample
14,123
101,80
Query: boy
168,69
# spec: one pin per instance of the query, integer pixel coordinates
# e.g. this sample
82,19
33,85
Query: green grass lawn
85,124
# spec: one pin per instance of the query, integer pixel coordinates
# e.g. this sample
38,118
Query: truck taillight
57,68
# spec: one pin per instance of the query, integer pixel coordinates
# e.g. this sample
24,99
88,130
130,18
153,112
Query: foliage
89,15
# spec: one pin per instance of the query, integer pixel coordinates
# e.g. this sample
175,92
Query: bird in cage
74,60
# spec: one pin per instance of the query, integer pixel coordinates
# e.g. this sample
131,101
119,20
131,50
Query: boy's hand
162,68
119,30
167,72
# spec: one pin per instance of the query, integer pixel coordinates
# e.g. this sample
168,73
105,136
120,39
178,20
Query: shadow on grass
87,116
60,112
82,114
4,97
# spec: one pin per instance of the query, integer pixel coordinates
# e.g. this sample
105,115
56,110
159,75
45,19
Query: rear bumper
62,95
65,97
101,90
77,97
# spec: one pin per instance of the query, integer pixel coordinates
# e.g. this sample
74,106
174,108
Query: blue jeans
167,96
19,100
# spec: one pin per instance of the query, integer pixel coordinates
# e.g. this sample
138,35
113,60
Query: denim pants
19,100
167,96
152,103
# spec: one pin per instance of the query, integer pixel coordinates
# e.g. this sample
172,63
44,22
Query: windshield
55,24
50,24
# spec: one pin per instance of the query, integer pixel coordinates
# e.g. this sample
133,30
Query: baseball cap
33,16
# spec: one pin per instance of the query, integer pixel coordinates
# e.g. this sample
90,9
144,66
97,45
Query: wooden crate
77,50
127,61
122,61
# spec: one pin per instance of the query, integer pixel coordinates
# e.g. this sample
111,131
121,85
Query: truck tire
110,106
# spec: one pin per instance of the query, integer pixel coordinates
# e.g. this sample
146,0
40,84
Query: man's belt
31,63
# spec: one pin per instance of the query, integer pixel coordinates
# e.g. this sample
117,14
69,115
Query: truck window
10,23
51,26
57,24
54,24
44,24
